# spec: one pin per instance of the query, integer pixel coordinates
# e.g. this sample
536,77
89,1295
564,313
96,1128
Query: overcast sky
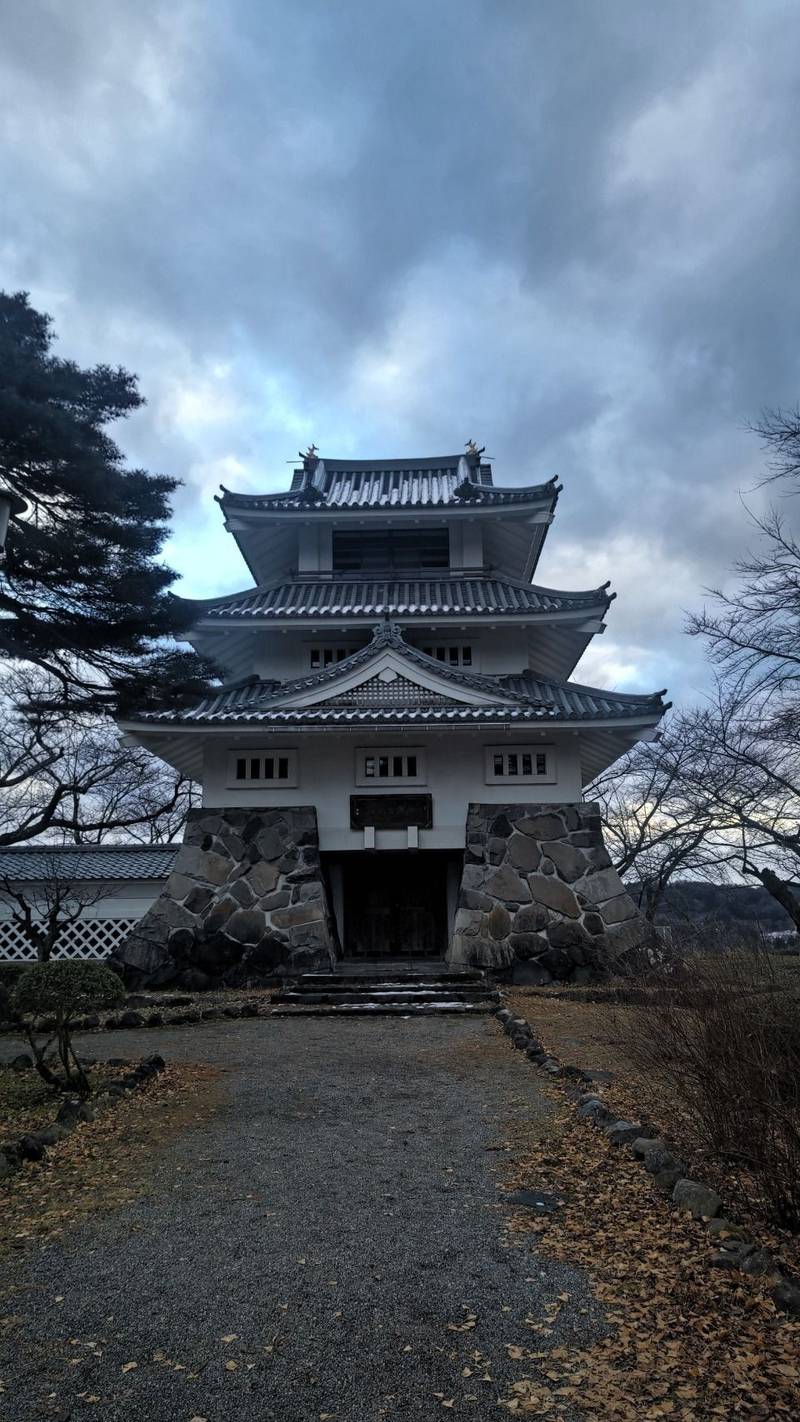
566,228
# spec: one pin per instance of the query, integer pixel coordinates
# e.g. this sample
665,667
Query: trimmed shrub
60,993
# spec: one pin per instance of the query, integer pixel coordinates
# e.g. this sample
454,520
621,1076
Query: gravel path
336,1215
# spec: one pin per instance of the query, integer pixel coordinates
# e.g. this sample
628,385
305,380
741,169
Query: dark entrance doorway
394,905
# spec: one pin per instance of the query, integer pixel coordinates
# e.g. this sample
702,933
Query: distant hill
690,900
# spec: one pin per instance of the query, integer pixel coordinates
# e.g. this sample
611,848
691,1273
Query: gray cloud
569,230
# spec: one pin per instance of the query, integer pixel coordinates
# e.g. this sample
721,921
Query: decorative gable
389,672
389,689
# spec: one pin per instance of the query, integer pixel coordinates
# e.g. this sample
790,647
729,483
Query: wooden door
395,905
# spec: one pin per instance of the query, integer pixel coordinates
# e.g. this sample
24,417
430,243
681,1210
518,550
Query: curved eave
212,613
486,500
631,712
474,718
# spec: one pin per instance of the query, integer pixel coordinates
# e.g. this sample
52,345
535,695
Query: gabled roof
426,692
86,863
397,597
369,484
387,636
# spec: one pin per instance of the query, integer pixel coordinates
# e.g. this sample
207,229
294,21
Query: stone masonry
245,901
539,896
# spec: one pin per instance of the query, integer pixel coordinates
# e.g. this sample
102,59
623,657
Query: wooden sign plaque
391,812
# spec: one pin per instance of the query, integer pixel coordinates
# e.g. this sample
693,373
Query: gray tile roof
576,702
399,597
24,864
437,712
391,483
248,708
523,697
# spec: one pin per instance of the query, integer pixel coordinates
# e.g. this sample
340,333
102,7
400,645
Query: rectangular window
263,768
393,766
520,765
454,655
388,550
321,657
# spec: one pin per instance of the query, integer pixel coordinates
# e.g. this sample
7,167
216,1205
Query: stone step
386,992
391,975
307,983
385,1009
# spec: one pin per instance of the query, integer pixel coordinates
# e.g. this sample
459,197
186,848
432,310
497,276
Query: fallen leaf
231,1366
128,1367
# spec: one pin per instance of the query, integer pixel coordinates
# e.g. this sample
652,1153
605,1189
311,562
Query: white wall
284,656
124,900
99,930
455,776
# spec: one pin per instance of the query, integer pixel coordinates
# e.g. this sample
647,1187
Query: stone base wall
245,901
539,896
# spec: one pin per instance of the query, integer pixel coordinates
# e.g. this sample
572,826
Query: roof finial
309,458
473,452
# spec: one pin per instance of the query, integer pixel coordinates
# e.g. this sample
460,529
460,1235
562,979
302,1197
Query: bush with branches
60,993
721,1037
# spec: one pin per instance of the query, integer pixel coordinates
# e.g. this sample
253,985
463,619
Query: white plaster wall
124,900
285,655
455,776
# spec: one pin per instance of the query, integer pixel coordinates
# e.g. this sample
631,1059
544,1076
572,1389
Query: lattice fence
86,938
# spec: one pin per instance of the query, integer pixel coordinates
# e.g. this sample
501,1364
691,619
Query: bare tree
743,749
654,833
42,909
742,775
65,775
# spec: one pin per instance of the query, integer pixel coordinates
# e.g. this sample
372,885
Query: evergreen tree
83,594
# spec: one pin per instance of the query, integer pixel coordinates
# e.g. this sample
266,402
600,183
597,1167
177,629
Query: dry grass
595,1036
600,1036
685,1342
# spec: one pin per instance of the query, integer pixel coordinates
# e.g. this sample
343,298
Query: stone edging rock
132,1018
32,1146
732,1248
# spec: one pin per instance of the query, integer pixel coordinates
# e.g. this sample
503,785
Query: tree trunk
783,892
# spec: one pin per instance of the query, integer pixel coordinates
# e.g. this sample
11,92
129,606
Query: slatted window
519,765
451,655
390,765
390,550
321,657
247,769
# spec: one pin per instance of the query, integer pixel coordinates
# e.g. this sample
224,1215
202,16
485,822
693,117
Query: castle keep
394,765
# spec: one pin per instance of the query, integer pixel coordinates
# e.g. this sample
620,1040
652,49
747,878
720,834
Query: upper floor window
390,765
453,656
321,657
389,550
520,765
248,768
